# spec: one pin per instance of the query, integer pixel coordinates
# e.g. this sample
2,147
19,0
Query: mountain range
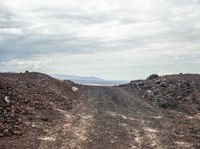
88,80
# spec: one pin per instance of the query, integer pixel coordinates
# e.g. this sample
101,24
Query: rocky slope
178,92
26,97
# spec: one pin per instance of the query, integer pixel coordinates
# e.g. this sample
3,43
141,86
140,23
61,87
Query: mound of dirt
28,96
178,92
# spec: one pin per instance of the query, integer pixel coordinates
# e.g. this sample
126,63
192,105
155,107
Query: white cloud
108,38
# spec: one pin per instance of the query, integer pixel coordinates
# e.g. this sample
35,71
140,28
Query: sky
111,39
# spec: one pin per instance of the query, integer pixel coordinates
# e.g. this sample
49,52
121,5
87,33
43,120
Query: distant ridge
87,80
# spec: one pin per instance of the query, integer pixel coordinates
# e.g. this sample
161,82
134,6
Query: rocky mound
179,92
26,96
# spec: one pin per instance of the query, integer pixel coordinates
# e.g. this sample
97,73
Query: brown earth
178,92
40,112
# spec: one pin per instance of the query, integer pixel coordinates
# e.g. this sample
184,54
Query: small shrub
153,76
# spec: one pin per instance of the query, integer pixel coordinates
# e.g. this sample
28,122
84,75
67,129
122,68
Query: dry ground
108,118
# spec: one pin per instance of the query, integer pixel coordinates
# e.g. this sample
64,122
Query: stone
15,132
45,119
149,91
6,131
1,135
7,100
179,97
157,81
163,84
74,89
26,101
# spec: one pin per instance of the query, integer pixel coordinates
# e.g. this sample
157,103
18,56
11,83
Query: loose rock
7,100
179,92
74,89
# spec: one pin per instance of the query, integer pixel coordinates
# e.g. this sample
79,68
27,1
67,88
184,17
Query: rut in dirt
114,118
121,120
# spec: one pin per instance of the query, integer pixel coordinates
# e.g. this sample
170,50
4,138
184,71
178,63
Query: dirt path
122,121
45,113
111,118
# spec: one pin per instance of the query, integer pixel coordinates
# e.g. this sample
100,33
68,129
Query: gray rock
6,131
16,132
163,84
7,100
149,91
26,101
45,119
1,135
179,97
157,81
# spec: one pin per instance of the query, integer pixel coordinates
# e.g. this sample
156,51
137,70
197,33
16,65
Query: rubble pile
26,94
180,92
11,106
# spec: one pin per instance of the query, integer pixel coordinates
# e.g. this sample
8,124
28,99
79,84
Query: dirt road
114,118
40,112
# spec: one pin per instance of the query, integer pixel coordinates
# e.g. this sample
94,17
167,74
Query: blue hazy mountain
88,80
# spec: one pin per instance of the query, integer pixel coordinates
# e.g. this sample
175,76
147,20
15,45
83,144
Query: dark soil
40,112
178,92
26,102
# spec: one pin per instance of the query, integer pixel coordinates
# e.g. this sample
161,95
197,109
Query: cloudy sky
112,39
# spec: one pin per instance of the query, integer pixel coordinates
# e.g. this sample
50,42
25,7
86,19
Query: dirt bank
55,117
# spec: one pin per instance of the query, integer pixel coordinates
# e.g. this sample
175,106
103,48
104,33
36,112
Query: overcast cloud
112,39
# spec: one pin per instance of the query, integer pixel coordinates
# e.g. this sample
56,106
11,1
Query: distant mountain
87,80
